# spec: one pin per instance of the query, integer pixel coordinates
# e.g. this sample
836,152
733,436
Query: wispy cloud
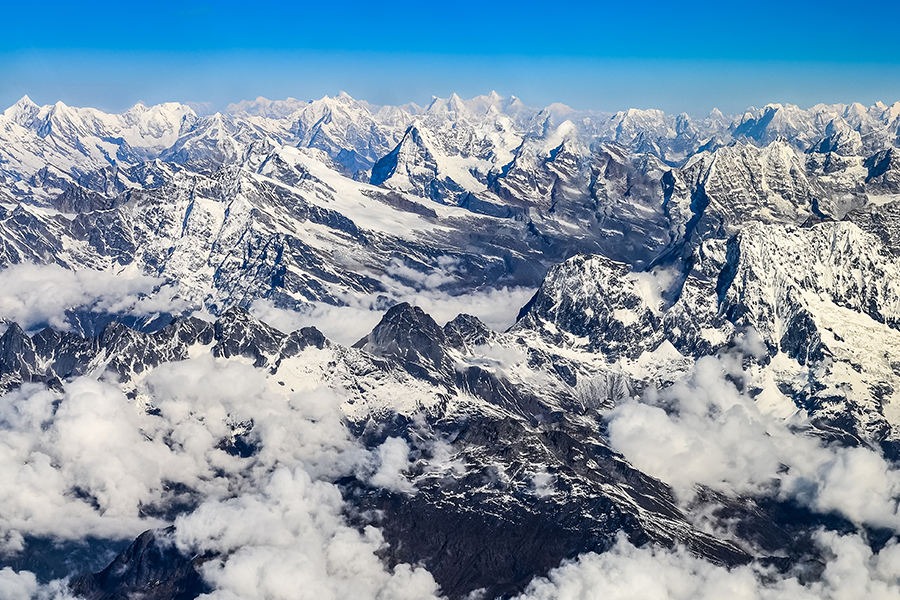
497,308
38,295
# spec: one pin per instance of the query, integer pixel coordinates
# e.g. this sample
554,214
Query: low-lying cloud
703,430
624,573
38,295
90,462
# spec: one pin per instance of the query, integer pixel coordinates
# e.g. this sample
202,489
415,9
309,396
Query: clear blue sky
685,56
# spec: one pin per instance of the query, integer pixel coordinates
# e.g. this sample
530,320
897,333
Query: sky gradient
678,57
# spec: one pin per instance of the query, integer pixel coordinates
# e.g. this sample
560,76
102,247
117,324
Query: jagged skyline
601,57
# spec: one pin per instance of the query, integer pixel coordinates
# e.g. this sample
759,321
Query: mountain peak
408,334
23,111
25,101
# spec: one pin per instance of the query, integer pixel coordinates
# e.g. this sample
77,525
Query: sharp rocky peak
410,336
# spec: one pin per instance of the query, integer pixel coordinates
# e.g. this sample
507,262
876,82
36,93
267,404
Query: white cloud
544,484
89,462
396,268
288,540
495,355
23,585
76,470
653,285
342,324
703,430
36,295
393,461
626,572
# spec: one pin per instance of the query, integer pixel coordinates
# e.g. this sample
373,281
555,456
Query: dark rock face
52,356
466,331
410,336
884,171
17,358
52,559
493,525
239,334
151,568
300,340
537,484
883,221
600,305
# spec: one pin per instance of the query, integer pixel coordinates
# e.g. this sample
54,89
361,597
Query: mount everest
469,350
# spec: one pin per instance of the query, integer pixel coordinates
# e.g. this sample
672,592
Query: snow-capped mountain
316,315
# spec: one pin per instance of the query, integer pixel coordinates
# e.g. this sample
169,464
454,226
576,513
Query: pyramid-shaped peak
409,334
138,107
454,102
25,101
23,111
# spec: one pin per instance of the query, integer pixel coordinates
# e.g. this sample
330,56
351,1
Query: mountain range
472,349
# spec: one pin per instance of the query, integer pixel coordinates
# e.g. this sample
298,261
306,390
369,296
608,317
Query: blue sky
686,56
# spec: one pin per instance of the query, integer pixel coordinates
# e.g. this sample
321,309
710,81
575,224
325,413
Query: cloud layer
90,462
38,295
703,430
626,572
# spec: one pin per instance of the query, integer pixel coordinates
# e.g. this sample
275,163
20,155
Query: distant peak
455,103
22,111
494,95
559,107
